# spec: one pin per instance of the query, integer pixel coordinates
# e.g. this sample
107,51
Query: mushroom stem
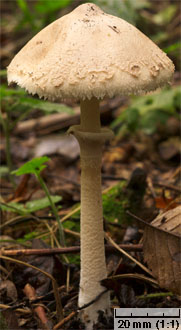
90,115
93,265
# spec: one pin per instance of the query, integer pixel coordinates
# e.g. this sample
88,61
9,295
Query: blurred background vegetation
21,19
159,20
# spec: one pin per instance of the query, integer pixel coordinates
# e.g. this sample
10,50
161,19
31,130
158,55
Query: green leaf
146,112
50,6
23,103
28,237
29,207
3,73
14,207
151,119
162,101
173,48
40,204
28,16
23,5
8,92
132,118
34,166
44,105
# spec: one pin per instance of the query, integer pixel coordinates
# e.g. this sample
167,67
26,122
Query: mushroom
88,55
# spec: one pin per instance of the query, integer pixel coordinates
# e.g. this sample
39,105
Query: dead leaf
66,146
21,189
161,247
118,154
165,203
8,291
170,148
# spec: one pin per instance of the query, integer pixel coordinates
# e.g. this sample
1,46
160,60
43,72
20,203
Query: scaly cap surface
90,53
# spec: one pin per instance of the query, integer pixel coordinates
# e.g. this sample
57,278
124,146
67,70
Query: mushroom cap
88,53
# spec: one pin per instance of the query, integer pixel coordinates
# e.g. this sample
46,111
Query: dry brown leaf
165,203
8,291
66,146
162,249
170,148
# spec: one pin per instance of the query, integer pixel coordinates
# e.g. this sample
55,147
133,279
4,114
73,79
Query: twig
155,295
17,309
65,320
167,186
39,310
150,185
109,239
136,276
20,217
54,283
71,250
113,177
71,232
67,216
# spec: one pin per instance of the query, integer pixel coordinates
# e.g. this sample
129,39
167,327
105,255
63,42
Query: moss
115,203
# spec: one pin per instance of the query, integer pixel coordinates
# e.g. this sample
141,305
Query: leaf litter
161,247
132,193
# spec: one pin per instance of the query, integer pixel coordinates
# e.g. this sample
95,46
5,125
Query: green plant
17,100
114,203
29,207
146,112
35,166
128,9
36,14
15,107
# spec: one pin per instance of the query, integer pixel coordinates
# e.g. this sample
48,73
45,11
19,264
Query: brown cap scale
88,55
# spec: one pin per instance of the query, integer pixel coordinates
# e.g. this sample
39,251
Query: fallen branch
46,124
71,250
